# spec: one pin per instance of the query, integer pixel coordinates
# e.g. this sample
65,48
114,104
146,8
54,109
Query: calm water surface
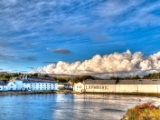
68,107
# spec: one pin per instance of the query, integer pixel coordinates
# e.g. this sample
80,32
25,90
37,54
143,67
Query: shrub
146,111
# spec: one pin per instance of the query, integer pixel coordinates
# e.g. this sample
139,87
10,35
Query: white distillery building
119,86
29,84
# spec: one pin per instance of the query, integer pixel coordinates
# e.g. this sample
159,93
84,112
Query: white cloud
119,64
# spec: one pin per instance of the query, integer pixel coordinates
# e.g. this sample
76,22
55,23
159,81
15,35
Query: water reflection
71,107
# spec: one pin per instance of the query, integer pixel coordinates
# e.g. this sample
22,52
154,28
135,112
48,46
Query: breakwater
26,92
73,92
34,92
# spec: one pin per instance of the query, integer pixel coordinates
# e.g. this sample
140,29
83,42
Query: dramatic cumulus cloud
27,28
119,64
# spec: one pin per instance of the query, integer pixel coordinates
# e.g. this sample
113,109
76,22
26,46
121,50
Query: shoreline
5,93
73,92
134,93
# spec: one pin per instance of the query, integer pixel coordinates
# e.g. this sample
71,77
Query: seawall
26,92
120,93
33,92
73,92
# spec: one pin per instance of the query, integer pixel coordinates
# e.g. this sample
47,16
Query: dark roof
3,82
40,80
26,81
139,81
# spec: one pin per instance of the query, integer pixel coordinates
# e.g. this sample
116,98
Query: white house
119,86
29,84
79,87
42,84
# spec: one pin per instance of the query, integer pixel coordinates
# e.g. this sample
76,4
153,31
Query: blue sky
35,33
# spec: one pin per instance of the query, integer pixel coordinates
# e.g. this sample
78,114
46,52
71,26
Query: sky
79,36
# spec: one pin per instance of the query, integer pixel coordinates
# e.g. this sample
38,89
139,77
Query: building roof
3,82
139,81
40,80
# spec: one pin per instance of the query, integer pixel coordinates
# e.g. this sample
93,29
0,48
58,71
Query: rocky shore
32,92
72,92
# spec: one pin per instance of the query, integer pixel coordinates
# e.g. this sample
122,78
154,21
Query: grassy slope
145,111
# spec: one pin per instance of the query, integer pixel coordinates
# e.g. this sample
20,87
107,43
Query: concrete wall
26,86
1,87
19,84
158,88
56,86
43,86
118,88
79,87
11,86
126,88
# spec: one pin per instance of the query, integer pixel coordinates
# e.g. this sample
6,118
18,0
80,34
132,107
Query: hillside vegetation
75,79
146,111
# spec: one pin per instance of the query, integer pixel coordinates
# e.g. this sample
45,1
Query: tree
80,79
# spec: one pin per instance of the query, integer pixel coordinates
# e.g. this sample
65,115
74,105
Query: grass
61,90
145,111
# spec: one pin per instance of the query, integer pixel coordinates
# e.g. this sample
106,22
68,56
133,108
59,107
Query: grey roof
139,81
40,80
3,82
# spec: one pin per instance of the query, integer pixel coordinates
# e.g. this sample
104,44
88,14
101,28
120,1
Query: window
106,87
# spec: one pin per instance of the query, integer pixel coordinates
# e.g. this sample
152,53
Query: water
68,107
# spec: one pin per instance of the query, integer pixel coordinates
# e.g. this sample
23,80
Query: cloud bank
116,64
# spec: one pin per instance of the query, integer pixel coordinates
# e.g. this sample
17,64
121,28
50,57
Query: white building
65,85
29,84
118,86
42,84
